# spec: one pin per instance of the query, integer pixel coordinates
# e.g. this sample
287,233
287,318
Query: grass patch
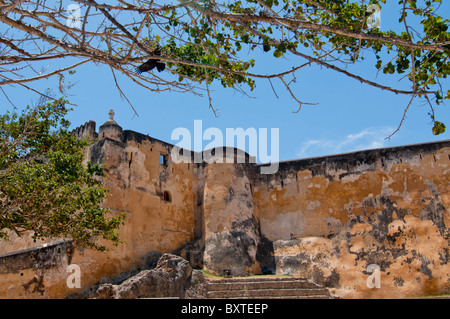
207,274
444,296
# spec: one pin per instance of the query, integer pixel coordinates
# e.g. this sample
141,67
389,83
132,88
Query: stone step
260,284
268,293
265,287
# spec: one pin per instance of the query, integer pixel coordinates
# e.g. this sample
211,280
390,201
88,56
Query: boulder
172,277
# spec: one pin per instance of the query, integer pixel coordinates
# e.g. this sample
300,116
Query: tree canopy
44,186
207,41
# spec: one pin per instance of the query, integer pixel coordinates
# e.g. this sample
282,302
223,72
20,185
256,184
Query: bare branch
43,76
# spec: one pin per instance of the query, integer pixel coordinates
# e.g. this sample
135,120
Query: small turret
110,129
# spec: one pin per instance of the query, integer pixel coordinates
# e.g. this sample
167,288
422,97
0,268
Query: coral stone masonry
342,221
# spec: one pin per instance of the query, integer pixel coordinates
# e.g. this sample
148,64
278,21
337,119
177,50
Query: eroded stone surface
172,277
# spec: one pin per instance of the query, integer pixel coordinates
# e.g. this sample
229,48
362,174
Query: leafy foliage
208,45
209,41
44,186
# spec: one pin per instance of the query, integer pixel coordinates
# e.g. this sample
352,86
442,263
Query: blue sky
349,116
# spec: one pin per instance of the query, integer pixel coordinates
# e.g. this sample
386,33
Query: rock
193,252
106,291
172,277
197,288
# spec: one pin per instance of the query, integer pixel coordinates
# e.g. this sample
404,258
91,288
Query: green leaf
277,53
438,128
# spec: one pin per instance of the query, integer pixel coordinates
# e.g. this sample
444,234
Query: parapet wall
337,179
87,131
36,272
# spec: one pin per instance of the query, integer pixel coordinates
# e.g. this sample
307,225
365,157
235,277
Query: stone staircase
265,287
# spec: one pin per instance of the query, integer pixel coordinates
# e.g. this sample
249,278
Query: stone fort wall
327,219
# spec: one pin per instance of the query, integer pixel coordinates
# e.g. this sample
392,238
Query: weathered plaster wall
330,218
325,218
36,272
137,181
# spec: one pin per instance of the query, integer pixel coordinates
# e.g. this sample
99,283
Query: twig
209,95
273,89
403,118
121,92
295,98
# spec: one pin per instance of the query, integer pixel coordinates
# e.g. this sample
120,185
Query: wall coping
41,256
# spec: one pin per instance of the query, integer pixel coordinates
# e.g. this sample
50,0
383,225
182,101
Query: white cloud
368,138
